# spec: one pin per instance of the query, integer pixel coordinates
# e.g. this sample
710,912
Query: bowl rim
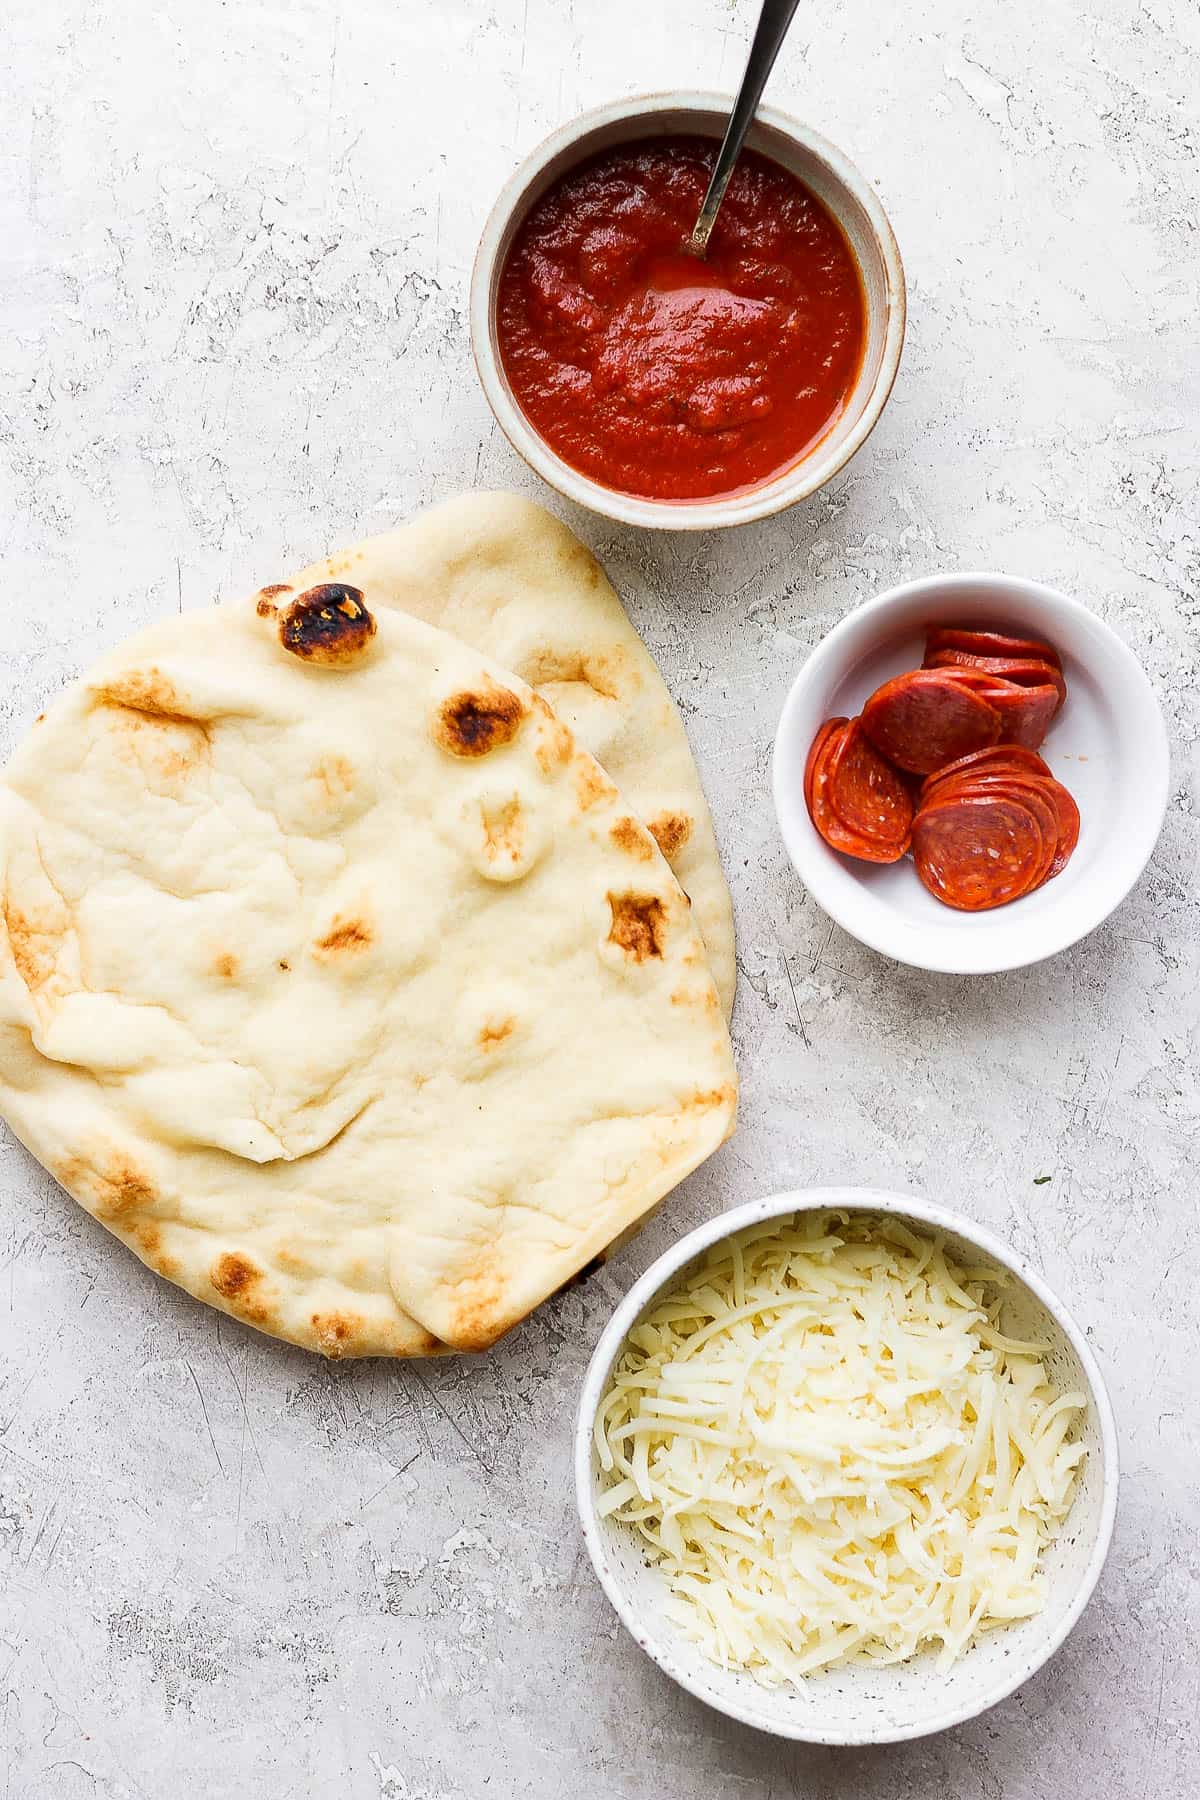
1055,603
715,512
908,1206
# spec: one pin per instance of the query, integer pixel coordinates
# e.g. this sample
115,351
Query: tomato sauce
662,374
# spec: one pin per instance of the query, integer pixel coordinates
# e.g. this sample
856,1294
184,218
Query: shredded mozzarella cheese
833,1452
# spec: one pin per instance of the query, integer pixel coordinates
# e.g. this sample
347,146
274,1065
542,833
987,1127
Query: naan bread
338,983
508,578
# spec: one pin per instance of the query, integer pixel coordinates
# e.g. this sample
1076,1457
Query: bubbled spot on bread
504,829
233,1275
496,1032
555,745
109,1184
628,835
328,627
639,925
266,600
151,722
335,1332
345,938
671,831
153,697
592,785
34,941
477,721
475,1323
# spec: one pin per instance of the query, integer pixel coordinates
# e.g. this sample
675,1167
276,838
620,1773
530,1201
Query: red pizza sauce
663,374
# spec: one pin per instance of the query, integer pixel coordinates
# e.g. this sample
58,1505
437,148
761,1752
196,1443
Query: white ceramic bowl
826,172
861,1705
1108,745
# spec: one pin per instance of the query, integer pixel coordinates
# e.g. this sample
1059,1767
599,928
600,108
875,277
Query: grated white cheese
833,1452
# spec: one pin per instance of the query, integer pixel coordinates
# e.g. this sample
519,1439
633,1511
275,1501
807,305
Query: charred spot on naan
711,1099
234,1275
266,600
706,998
670,831
328,626
478,720
153,696
346,937
333,779
504,829
495,1032
554,742
108,1183
146,1239
639,925
628,835
335,1332
240,1284
592,785
151,723
475,1321
225,965
34,940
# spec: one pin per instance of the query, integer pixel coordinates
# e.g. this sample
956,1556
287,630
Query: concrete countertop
234,248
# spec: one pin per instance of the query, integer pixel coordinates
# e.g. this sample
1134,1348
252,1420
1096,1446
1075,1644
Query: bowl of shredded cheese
846,1468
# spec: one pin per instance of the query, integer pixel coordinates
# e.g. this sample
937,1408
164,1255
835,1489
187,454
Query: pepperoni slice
1031,791
980,680
997,756
978,851
1026,671
921,720
829,823
987,643
868,794
1068,825
1026,713
818,744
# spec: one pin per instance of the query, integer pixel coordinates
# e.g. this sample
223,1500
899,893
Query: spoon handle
773,22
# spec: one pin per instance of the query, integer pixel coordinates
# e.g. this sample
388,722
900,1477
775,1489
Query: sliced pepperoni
818,744
828,823
1031,791
1026,713
1023,720
978,851
1006,756
987,643
868,794
921,720
1026,671
978,679
1068,825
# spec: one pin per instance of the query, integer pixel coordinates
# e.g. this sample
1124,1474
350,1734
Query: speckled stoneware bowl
1108,745
826,172
862,1705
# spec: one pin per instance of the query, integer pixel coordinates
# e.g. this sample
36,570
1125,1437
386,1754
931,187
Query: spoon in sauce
772,28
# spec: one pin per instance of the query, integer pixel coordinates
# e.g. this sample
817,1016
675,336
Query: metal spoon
773,22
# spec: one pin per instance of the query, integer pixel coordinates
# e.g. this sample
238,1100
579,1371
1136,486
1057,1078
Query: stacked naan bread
367,955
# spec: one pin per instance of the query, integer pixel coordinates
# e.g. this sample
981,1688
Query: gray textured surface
234,243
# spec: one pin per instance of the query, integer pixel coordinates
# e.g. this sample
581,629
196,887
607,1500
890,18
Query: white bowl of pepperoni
970,773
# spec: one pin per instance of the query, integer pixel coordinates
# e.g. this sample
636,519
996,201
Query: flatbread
338,984
509,578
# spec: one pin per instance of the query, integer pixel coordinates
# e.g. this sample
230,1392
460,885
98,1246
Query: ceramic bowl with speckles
854,1704
1107,745
827,173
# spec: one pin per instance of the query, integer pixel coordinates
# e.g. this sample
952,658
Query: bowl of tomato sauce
664,389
